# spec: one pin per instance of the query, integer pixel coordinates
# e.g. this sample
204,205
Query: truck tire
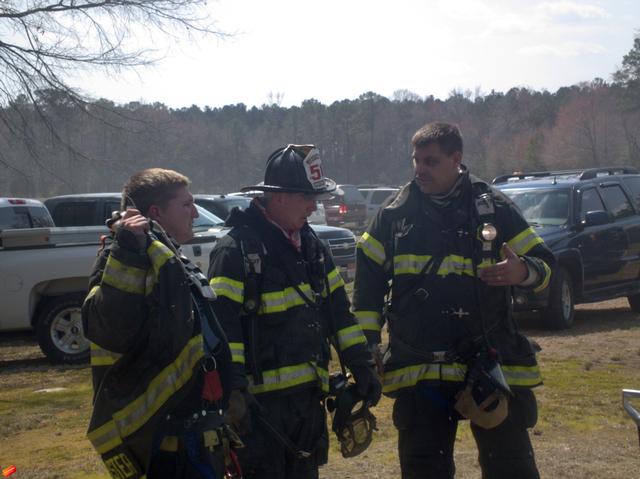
634,302
59,330
560,311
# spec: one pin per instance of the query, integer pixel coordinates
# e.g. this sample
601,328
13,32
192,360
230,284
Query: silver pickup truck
44,273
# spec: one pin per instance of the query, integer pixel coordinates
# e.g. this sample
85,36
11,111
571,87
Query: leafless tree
42,42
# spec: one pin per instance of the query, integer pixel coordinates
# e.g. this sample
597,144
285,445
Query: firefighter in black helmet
282,302
452,248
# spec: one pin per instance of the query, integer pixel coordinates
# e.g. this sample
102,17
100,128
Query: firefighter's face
435,172
177,216
293,209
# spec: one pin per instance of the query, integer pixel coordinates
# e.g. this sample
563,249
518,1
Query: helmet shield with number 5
296,169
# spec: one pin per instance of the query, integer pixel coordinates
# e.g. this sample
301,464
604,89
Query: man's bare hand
508,272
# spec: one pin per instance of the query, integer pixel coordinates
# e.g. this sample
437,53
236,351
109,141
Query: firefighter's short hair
153,186
446,135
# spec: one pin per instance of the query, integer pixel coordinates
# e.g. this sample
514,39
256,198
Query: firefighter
282,302
160,361
452,248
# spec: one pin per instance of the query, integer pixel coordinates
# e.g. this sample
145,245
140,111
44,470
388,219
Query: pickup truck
590,219
44,273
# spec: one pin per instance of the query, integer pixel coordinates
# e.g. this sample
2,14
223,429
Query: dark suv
341,241
591,221
348,210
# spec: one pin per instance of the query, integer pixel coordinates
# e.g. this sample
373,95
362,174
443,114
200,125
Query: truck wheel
634,302
59,330
560,310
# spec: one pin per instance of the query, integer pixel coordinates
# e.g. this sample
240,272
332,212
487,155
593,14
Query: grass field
583,431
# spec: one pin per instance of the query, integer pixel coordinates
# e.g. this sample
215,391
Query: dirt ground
605,338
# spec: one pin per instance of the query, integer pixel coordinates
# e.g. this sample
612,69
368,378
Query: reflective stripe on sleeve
133,416
159,254
237,352
522,243
103,357
368,320
335,280
125,278
350,336
229,288
290,376
547,278
372,248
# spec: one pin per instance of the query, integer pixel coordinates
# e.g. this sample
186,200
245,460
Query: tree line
56,146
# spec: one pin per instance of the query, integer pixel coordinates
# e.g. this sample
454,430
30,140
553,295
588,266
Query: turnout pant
427,426
301,417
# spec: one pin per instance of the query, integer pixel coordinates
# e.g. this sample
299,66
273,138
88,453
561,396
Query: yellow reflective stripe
237,352
229,288
368,320
372,248
347,337
547,278
409,376
290,376
524,241
159,254
125,278
455,264
527,376
280,301
103,357
105,438
409,263
132,417
335,280
414,264
92,292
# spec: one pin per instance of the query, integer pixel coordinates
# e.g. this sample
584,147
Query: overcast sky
332,50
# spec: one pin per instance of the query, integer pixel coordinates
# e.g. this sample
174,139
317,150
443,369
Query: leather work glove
367,384
376,353
238,413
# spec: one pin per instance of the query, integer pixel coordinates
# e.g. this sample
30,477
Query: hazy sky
333,50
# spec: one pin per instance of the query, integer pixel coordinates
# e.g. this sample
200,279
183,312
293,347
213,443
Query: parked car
340,241
44,272
590,219
348,210
375,196
92,209
23,213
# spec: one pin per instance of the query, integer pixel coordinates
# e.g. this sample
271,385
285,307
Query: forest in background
61,147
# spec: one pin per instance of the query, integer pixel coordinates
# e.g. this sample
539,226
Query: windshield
205,220
542,207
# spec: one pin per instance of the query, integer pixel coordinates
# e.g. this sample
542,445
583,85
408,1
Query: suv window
590,202
618,203
77,213
633,183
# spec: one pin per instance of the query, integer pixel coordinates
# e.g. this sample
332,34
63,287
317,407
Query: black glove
238,413
367,384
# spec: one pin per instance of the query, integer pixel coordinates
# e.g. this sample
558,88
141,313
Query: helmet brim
328,192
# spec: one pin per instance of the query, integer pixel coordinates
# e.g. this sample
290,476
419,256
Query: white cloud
570,11
567,49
